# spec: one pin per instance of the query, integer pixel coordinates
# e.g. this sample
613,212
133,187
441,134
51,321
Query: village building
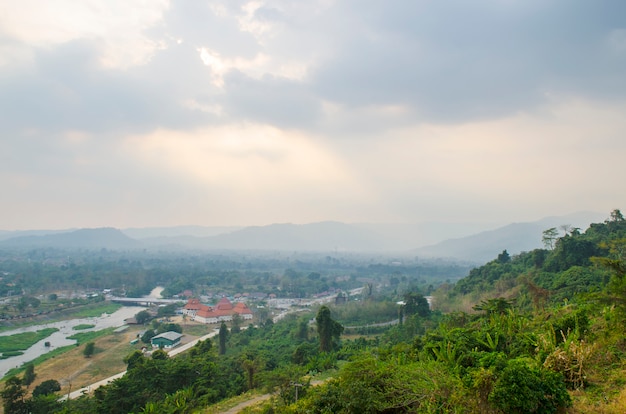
166,340
222,312
192,307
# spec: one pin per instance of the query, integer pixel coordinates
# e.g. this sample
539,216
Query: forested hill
570,264
105,237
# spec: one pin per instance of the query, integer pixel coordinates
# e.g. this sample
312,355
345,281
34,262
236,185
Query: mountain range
423,240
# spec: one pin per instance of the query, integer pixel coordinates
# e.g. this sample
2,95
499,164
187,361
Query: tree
504,257
235,326
47,387
497,306
415,304
89,350
223,336
147,336
13,396
549,237
160,355
29,375
251,363
142,317
616,263
327,328
616,215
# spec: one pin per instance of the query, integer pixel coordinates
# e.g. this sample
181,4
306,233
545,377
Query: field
25,340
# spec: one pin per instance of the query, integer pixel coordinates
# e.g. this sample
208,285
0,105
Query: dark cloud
461,60
68,90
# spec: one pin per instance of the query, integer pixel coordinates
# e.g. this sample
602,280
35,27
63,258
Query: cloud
458,61
118,26
237,111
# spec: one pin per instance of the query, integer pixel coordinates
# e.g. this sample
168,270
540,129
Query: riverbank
60,339
80,311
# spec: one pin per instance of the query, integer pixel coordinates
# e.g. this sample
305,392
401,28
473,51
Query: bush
47,387
524,389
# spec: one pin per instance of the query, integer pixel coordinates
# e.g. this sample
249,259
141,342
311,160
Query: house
166,340
192,307
222,312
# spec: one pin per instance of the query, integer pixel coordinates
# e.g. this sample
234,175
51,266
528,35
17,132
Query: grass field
83,326
25,340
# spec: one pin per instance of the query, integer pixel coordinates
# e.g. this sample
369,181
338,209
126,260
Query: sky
139,113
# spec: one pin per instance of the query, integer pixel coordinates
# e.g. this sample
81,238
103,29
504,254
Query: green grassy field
83,326
25,340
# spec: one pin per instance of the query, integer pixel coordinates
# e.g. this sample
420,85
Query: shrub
525,389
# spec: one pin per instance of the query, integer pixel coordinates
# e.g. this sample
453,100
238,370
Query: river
59,338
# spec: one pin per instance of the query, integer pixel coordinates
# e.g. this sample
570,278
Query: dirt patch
73,370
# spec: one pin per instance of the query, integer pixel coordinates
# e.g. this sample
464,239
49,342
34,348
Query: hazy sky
153,113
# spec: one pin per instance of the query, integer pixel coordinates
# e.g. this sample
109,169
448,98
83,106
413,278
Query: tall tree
415,304
235,325
616,215
251,363
13,396
223,336
29,375
89,350
549,237
328,329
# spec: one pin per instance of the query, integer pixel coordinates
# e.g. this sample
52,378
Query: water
59,338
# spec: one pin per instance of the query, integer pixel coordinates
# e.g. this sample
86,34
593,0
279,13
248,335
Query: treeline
29,275
566,268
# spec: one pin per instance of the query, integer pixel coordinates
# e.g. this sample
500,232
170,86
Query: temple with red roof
222,312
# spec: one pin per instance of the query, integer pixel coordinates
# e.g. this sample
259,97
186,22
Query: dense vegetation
539,332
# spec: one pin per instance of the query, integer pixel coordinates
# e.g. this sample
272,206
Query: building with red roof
222,312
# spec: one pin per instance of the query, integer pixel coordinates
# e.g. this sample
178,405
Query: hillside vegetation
539,332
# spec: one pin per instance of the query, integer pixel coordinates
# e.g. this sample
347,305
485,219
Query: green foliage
167,310
47,387
84,337
415,304
147,336
89,350
82,326
358,313
522,388
494,306
29,374
328,329
13,397
223,337
25,340
142,317
369,385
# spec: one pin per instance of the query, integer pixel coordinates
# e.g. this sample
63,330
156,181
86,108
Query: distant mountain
514,238
461,241
109,238
177,231
5,234
323,236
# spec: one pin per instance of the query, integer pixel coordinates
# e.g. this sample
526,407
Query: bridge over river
144,301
